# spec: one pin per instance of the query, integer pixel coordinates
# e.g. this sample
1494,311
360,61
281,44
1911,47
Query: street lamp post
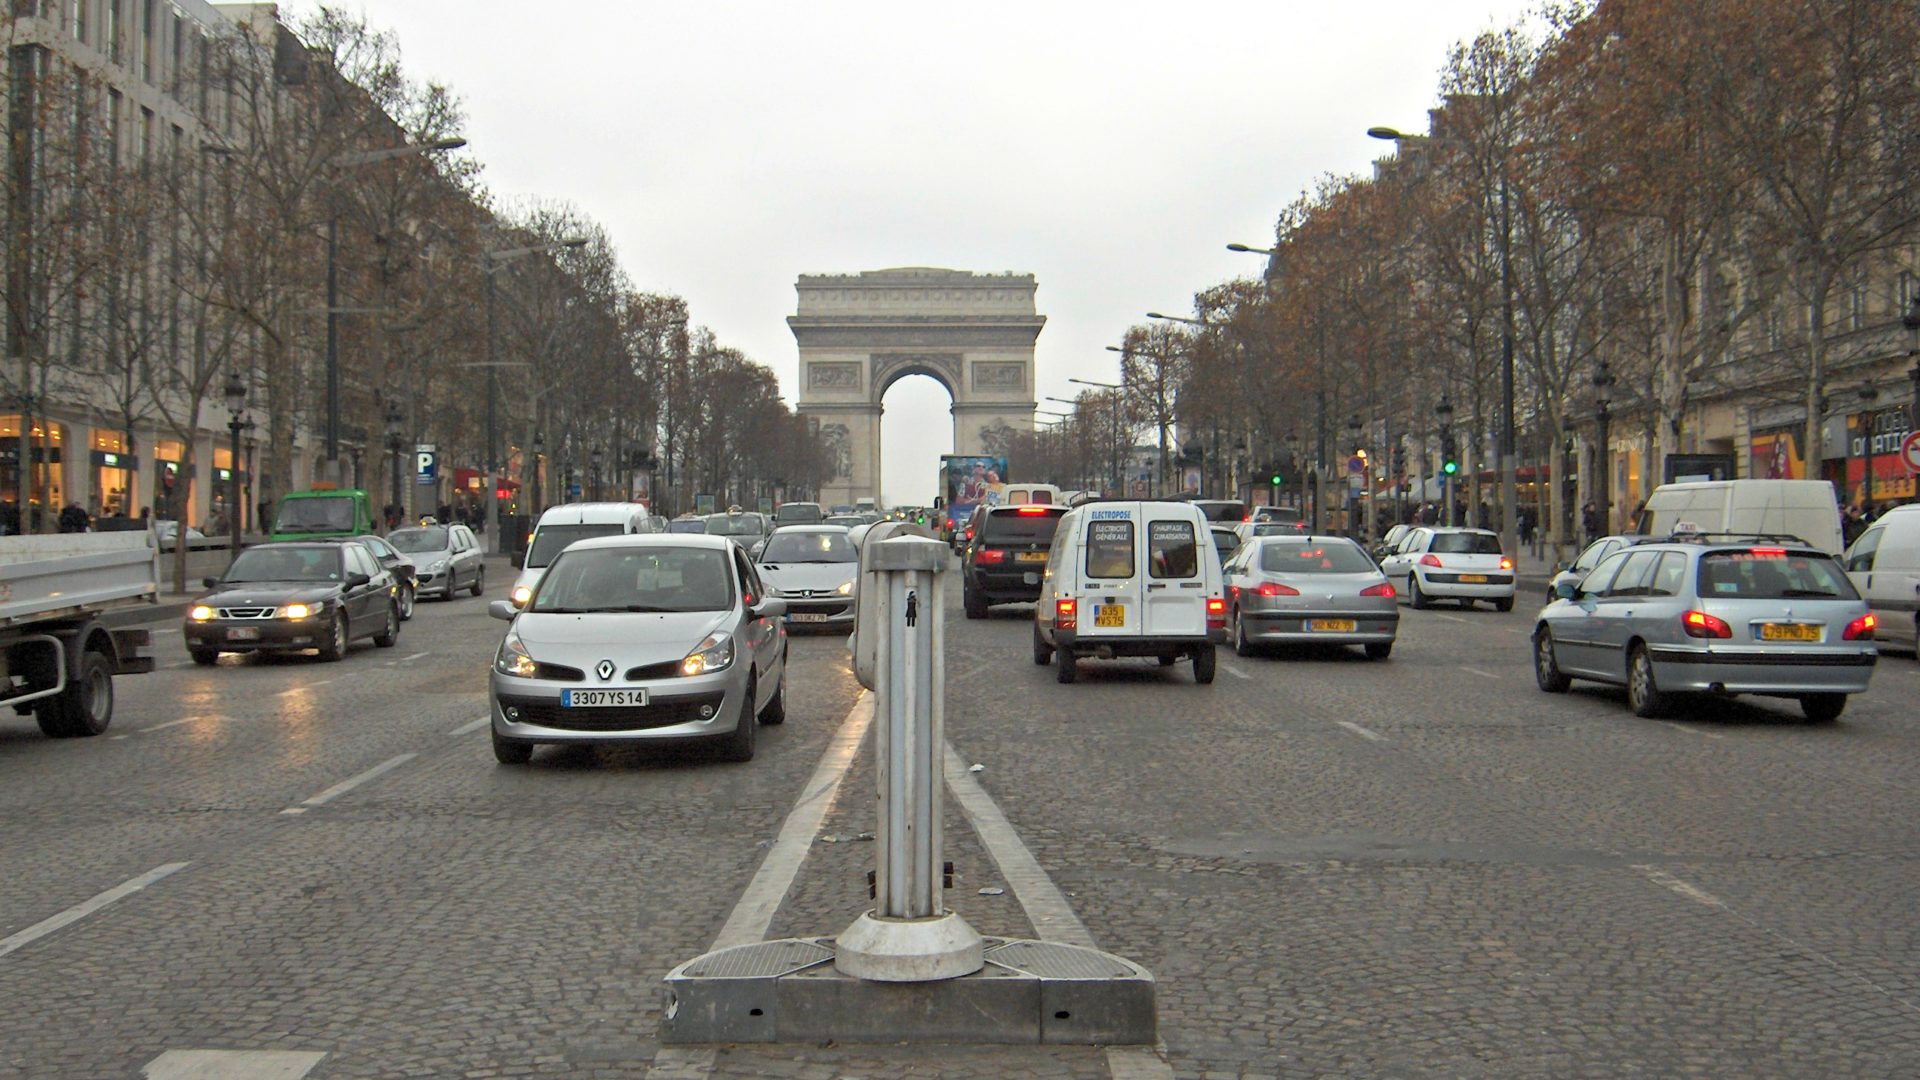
1293,462
595,458
1356,514
539,447
1444,413
396,442
236,395
491,261
1602,454
1911,320
1119,478
1867,396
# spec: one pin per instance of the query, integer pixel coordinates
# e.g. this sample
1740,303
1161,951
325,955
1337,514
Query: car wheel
1546,666
737,745
1205,659
204,657
336,646
1066,666
1042,652
1505,603
406,601
1415,598
1643,695
85,707
776,710
480,580
391,634
1379,650
1823,708
1241,646
510,751
975,604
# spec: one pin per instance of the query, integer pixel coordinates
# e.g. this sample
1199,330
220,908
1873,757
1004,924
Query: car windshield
1773,574
1465,543
1279,513
798,513
285,564
327,514
380,547
1317,558
734,525
638,579
550,540
1275,528
687,525
809,547
1013,527
425,538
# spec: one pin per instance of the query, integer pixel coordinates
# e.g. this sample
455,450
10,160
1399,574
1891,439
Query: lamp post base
908,950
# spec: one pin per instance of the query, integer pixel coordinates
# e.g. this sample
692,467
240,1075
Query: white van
1031,495
561,525
1131,579
1884,564
1803,508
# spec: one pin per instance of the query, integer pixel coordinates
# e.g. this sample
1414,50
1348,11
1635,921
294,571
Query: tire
1042,652
1066,666
738,744
479,581
1643,694
510,751
204,657
1241,646
336,646
1205,659
85,707
1546,665
975,604
1379,650
406,602
1822,708
1415,598
386,639
1505,603
776,710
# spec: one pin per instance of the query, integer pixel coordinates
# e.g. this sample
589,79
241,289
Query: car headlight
711,655
846,589
436,566
520,595
200,613
513,658
298,611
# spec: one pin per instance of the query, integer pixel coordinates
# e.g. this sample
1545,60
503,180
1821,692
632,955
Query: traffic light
1278,478
1449,461
1399,460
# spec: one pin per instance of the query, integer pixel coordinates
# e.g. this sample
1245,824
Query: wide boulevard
1416,867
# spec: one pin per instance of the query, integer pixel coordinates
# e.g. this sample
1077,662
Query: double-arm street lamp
236,395
596,458
1602,452
1114,391
396,442
491,261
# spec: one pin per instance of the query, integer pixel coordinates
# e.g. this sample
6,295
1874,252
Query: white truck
57,661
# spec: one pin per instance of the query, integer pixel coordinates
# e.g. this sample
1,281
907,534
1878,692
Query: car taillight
989,555
1065,615
1506,563
1031,510
1383,589
969,534
1429,559
1217,612
1860,629
1269,588
1702,625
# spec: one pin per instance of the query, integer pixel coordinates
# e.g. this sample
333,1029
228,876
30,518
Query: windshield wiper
652,608
1785,593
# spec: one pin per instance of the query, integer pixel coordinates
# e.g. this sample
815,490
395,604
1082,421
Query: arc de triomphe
861,333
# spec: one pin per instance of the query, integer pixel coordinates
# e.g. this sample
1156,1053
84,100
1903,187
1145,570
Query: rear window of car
1012,526
1319,558
550,540
1472,543
1223,511
1171,550
1772,574
1109,549
1278,513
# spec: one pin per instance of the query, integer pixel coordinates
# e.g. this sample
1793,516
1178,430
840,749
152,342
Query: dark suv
1004,561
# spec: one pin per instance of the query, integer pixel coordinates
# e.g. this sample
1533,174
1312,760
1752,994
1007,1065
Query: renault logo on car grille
604,669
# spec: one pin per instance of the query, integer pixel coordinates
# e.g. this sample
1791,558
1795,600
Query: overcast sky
1112,149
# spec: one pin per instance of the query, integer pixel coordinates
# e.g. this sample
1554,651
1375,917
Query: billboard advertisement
973,479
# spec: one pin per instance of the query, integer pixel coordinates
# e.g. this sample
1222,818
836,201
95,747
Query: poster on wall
1774,454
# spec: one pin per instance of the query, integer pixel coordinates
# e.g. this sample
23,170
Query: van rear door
1175,571
1110,579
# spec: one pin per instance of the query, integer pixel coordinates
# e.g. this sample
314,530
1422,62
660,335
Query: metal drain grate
767,959
1046,960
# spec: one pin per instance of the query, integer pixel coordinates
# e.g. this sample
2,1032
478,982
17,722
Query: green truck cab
312,515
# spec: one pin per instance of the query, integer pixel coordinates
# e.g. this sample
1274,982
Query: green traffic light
1450,468
1278,479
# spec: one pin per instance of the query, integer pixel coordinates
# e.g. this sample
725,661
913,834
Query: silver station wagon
637,638
1714,614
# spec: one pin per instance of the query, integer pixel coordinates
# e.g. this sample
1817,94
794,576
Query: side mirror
1566,590
519,560
502,609
358,581
770,607
210,582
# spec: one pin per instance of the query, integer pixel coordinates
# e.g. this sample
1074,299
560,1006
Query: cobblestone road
1420,867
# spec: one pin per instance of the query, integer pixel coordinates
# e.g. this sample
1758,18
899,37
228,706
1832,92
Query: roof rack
1699,537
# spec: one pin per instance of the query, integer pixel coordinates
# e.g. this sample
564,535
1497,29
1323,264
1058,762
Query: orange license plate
1789,632
1473,579
1110,615
1032,556
1336,626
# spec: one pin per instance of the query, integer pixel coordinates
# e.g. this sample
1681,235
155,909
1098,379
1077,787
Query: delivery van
563,525
1128,578
1884,564
1802,508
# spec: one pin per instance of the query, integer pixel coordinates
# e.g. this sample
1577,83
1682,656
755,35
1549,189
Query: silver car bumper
529,709
1296,627
1491,590
1756,671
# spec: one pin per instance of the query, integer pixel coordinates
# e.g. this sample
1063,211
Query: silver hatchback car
1711,614
640,638
1309,590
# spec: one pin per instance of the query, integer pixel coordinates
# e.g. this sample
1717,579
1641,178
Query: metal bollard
909,936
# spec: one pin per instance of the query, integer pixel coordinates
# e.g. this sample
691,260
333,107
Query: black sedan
295,596
400,565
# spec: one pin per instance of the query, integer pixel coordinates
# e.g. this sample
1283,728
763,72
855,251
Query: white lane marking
304,687
350,783
1449,618
177,723
1371,736
1234,671
755,910
1477,671
1668,881
1693,730
411,659
471,725
1046,906
166,630
232,1065
24,938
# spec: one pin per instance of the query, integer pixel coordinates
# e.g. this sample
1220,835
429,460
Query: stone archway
860,333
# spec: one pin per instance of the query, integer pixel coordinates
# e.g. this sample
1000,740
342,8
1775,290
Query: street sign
1356,464
426,464
1910,452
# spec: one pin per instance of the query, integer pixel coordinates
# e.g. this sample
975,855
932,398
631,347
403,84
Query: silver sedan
639,638
1309,590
